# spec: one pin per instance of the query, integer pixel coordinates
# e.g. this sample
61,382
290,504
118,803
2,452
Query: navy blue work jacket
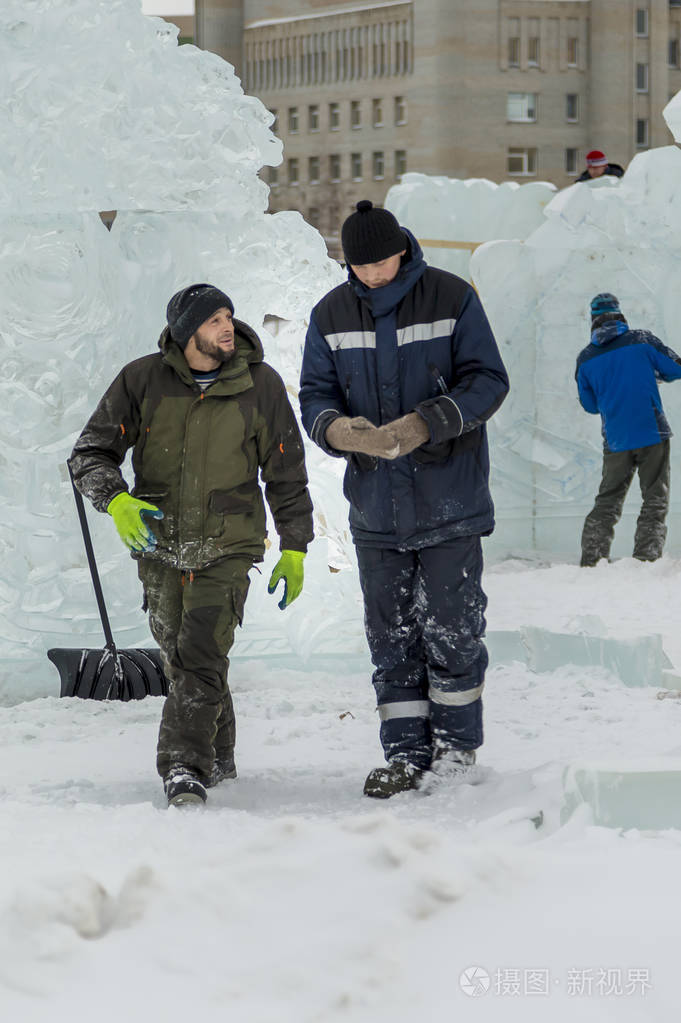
420,343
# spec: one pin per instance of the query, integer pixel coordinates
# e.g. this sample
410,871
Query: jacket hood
382,300
609,331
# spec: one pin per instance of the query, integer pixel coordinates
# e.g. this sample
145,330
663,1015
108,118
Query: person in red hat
597,165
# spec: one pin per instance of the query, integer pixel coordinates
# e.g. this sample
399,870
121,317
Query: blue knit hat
604,303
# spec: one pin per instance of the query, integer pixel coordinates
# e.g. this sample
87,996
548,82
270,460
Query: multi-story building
499,89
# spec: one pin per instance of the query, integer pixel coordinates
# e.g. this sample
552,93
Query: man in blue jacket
400,373
617,376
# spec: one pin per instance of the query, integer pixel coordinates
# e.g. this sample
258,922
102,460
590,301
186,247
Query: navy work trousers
424,619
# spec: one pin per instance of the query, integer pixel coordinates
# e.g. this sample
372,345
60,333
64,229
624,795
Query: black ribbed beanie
370,235
191,307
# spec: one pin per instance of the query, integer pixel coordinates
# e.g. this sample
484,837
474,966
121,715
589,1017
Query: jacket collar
608,332
234,375
383,300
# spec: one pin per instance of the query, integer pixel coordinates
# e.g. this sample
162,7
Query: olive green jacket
197,454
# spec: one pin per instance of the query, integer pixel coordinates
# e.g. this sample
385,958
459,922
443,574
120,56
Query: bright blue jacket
617,378
421,343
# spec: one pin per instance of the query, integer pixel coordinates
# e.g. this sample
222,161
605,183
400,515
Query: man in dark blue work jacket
617,376
400,373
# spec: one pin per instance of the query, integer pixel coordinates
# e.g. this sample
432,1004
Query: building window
355,114
572,51
293,172
313,170
313,216
521,106
293,120
356,166
377,113
378,166
673,59
521,162
514,42
400,162
400,110
334,167
533,43
571,106
642,132
334,116
641,78
313,117
273,177
570,161
642,22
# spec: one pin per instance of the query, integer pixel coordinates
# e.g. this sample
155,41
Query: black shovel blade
101,675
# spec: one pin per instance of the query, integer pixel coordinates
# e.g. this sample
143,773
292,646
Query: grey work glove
358,434
411,432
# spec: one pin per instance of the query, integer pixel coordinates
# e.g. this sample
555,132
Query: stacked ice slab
457,215
103,111
618,236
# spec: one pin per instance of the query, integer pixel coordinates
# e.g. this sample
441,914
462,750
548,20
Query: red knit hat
596,159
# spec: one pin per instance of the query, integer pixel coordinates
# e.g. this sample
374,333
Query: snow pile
305,902
105,112
466,211
622,236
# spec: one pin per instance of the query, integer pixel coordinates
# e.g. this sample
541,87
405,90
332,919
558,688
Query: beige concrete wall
219,27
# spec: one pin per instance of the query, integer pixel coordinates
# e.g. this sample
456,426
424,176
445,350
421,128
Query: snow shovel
108,674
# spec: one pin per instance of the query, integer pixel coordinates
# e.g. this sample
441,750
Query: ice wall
462,213
620,236
102,111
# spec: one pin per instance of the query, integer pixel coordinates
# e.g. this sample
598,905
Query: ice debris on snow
633,793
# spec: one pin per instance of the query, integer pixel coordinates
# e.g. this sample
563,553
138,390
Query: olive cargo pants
192,616
652,463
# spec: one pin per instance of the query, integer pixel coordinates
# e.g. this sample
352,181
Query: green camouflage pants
192,617
652,464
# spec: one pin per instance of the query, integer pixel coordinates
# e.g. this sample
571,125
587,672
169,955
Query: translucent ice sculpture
458,212
609,235
104,111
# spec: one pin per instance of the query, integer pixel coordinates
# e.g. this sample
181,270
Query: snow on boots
397,776
183,787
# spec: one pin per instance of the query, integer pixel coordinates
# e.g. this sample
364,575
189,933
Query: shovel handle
89,550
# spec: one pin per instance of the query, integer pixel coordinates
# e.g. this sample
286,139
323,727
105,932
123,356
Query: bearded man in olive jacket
204,417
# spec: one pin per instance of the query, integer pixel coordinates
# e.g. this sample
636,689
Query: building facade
502,89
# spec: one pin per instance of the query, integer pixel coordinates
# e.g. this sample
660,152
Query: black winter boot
223,768
397,776
183,787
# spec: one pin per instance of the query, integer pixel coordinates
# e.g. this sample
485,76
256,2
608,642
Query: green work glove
127,512
290,569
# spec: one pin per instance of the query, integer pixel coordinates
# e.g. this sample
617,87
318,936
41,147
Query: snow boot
397,776
183,787
223,768
449,762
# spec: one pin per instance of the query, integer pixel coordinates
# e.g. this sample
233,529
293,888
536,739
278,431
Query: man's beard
212,348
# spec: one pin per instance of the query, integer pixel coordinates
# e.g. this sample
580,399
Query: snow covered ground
293,898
